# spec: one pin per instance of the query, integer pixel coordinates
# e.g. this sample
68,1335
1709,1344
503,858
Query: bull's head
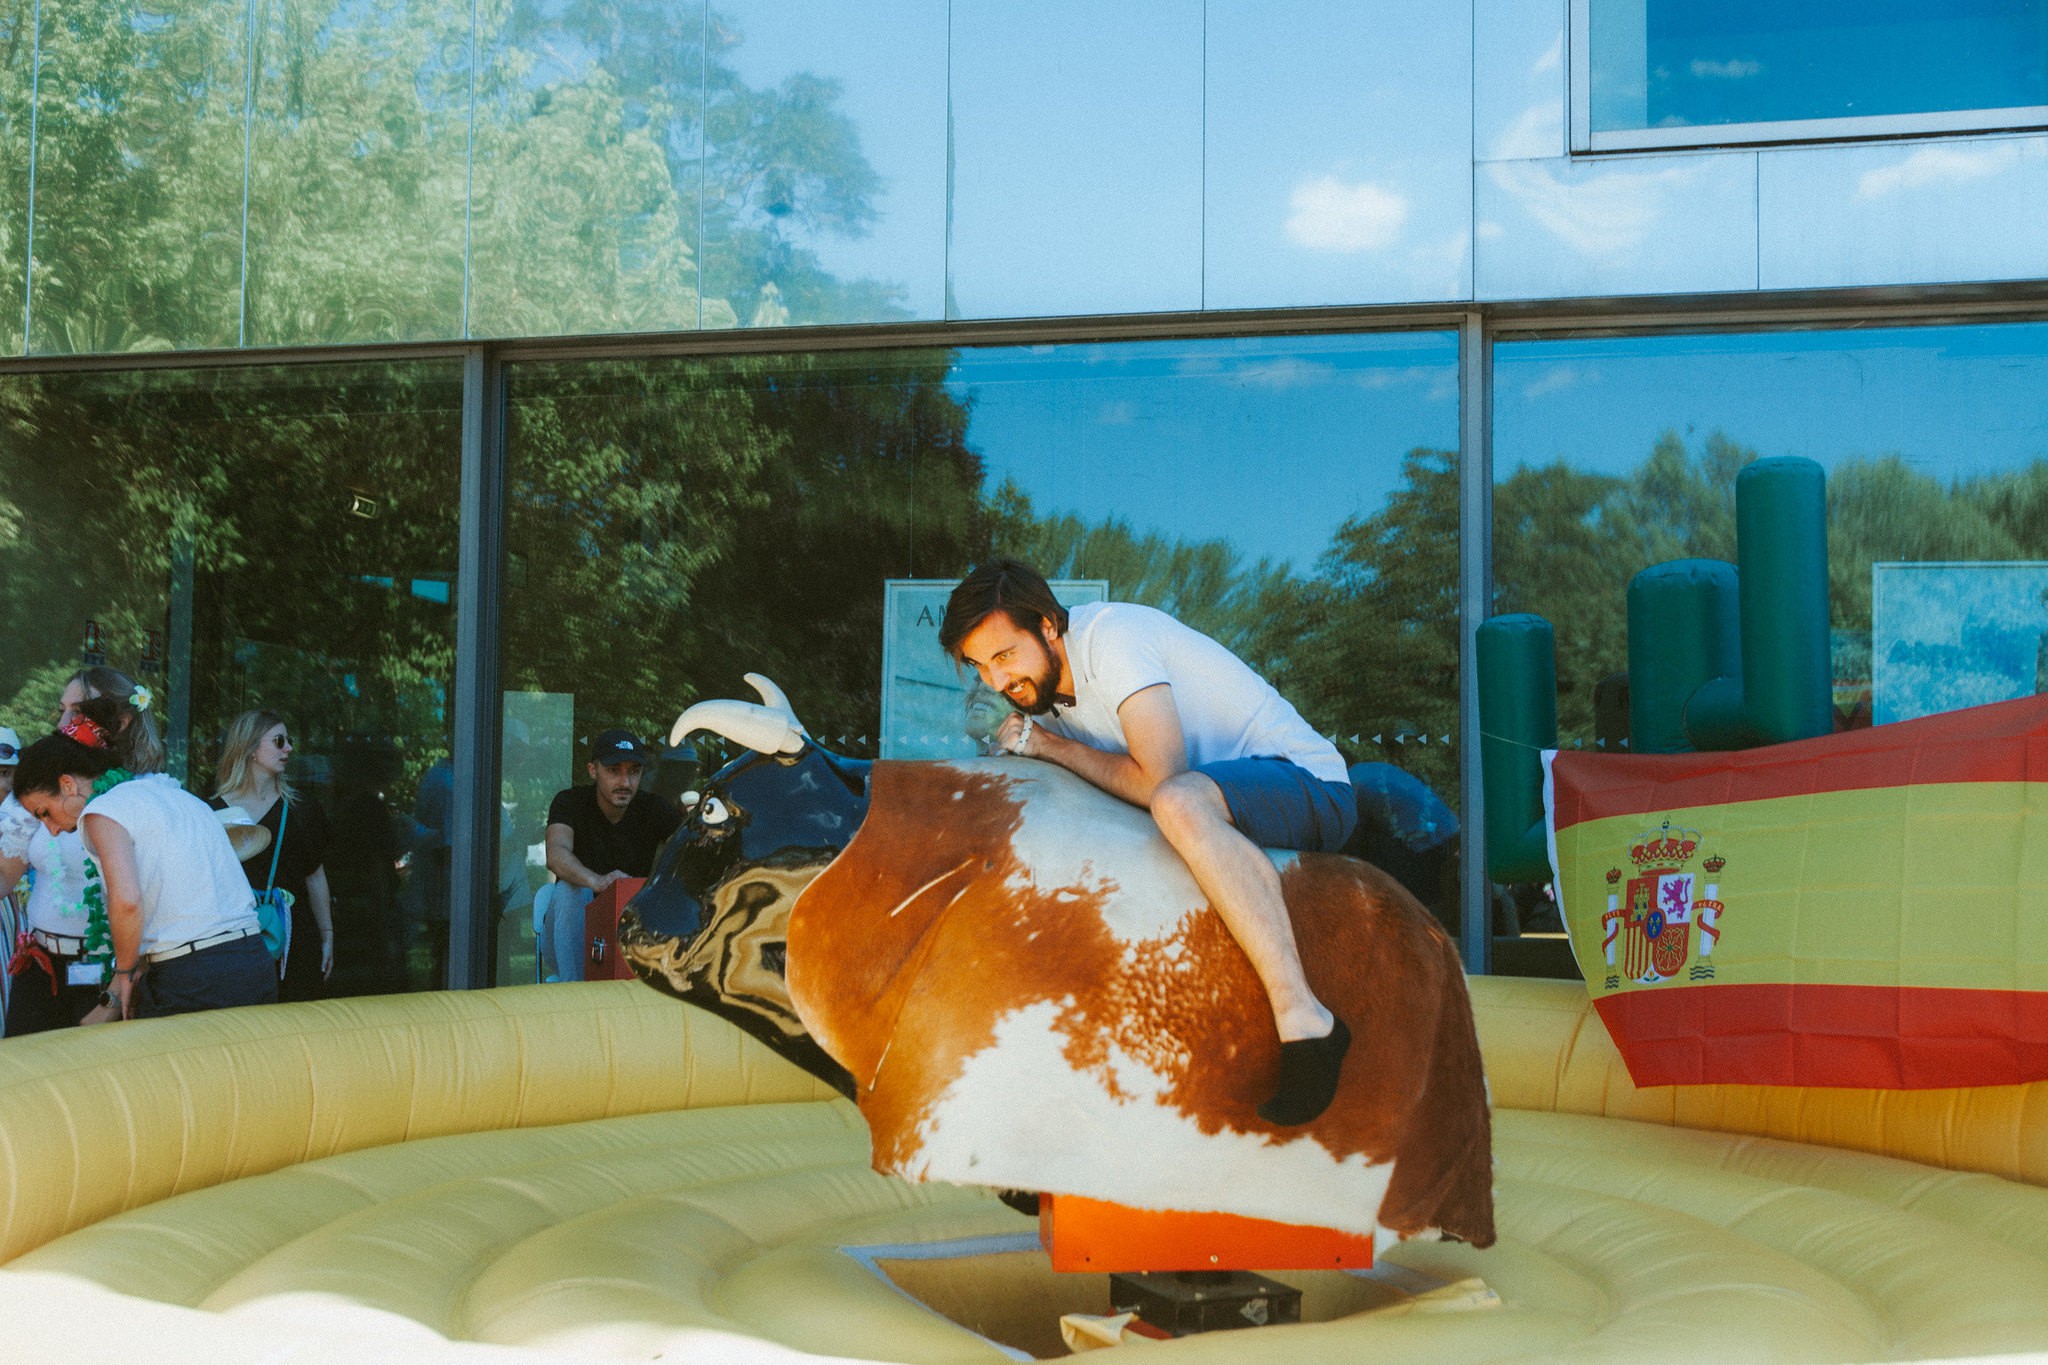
711,925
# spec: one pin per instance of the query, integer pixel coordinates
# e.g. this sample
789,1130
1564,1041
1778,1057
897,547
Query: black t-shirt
302,852
630,845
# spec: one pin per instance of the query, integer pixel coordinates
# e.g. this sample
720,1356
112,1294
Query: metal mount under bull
712,927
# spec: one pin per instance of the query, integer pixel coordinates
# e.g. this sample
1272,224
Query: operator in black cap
596,835
609,829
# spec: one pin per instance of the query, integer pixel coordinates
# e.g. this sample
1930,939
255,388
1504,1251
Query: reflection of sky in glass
890,65
1742,61
1269,444
1952,401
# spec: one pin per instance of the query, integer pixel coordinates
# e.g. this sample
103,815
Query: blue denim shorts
1277,804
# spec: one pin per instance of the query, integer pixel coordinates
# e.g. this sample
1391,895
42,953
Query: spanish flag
1866,909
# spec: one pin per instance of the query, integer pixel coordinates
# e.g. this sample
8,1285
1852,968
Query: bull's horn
773,697
743,722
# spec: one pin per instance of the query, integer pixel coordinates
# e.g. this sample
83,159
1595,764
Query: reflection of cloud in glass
1552,58
1283,372
1600,215
1116,415
1335,215
1734,69
1946,165
1555,379
1534,133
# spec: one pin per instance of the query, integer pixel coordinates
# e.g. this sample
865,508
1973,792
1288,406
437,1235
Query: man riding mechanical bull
1119,960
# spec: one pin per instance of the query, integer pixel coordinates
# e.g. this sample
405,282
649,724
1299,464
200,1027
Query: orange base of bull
1091,1235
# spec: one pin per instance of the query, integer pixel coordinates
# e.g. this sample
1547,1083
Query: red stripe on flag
1864,1037
2003,742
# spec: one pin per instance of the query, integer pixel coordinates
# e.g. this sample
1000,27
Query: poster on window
1949,635
930,708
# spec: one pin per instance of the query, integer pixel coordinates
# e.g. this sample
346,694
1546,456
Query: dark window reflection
674,524
260,538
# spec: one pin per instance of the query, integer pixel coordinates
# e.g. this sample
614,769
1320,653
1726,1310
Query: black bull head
712,923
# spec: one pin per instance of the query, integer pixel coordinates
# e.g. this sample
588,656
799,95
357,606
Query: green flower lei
99,935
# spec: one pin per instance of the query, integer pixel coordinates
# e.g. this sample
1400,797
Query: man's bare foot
1309,1068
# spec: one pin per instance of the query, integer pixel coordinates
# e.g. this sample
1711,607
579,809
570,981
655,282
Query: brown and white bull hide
1031,992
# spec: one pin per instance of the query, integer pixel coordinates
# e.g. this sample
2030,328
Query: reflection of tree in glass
1567,542
572,183
674,525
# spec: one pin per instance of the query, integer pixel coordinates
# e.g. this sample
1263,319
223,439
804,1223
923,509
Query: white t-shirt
56,897
1115,649
191,885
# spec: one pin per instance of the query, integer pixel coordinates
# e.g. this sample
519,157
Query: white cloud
1733,70
1554,379
1944,164
1601,215
1282,372
1334,215
1118,414
1552,58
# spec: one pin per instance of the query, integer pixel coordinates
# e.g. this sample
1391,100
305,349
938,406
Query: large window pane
589,154
17,55
138,235
1613,454
275,538
1077,158
357,156
1664,63
1338,153
674,524
825,168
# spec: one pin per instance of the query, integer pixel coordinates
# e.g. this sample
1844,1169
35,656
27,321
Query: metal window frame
480,559
1585,140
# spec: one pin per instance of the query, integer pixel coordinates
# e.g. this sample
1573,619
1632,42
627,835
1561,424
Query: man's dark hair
1002,585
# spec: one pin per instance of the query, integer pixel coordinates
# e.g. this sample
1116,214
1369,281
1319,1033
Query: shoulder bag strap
284,815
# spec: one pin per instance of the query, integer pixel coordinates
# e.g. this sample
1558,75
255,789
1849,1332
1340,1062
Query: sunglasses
9,755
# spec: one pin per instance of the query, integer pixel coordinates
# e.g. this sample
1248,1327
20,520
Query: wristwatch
107,1000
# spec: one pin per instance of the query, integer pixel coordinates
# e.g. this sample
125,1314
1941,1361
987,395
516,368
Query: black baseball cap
619,746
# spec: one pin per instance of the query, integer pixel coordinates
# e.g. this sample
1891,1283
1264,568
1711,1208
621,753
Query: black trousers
33,1007
237,973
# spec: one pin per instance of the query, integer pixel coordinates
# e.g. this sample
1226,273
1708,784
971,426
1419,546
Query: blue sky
1952,401
1269,443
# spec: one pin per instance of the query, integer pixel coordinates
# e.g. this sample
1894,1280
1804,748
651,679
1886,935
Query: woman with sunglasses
254,753
179,912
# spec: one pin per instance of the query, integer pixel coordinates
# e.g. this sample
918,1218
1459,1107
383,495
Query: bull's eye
713,811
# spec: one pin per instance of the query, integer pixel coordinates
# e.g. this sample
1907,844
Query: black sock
1308,1078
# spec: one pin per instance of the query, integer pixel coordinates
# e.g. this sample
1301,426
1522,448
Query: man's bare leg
1243,886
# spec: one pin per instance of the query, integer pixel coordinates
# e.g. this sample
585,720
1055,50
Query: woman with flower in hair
180,916
255,750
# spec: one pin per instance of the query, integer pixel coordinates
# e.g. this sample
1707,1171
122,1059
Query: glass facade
1613,454
674,524
278,538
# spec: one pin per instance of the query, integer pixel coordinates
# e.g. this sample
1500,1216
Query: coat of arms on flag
1648,930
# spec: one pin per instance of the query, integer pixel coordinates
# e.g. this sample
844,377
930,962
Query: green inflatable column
1784,689
1683,632
1517,720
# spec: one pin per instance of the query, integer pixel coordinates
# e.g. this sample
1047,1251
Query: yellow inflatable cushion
527,1172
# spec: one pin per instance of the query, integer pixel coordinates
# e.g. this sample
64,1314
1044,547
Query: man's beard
1044,688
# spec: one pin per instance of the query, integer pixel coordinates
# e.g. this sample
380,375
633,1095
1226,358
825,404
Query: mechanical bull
1021,986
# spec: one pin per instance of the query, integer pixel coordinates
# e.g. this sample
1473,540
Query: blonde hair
238,745
131,738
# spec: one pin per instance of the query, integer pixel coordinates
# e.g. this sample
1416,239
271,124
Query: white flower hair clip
140,699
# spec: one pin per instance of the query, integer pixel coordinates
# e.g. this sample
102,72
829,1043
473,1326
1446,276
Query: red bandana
84,731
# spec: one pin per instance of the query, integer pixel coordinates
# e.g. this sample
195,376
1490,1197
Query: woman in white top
180,912
56,983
